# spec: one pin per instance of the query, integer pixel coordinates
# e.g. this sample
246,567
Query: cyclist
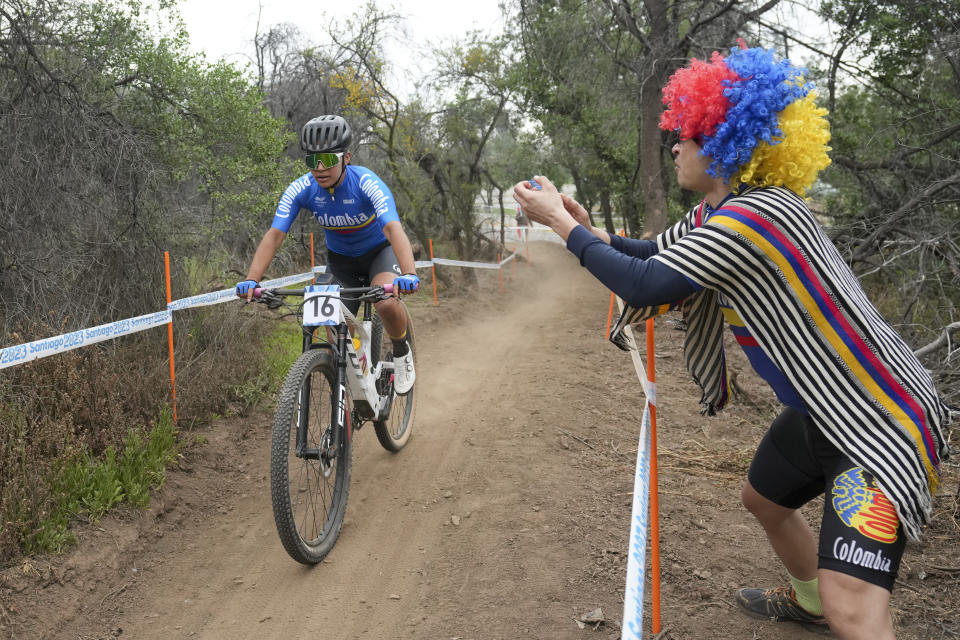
366,243
523,224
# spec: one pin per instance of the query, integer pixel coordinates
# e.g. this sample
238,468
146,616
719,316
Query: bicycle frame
362,384
311,455
360,380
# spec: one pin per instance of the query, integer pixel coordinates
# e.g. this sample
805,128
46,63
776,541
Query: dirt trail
398,566
526,431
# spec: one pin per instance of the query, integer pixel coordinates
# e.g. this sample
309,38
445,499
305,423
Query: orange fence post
311,258
500,272
173,378
433,273
610,314
654,496
514,266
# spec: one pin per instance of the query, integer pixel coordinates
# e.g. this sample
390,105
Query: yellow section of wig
798,157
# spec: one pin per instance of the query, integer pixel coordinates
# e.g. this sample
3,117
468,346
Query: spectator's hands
245,289
544,206
407,283
576,210
542,184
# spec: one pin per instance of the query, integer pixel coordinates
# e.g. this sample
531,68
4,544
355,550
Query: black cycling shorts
860,533
358,271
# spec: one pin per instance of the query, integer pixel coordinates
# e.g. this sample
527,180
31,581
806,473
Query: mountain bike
342,379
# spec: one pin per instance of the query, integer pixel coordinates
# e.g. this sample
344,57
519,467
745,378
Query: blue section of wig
765,88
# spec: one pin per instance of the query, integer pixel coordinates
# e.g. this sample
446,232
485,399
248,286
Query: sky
225,28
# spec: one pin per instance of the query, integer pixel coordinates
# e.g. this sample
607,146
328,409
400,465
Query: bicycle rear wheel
309,492
394,431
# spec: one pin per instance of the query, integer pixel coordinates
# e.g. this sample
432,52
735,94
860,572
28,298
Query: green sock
807,595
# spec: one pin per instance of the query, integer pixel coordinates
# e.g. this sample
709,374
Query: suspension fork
303,409
338,417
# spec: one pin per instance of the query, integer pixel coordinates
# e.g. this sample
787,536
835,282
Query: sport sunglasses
323,160
674,137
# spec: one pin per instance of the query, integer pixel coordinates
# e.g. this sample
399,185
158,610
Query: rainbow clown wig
755,116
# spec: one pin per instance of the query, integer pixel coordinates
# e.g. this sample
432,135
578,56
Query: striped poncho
861,383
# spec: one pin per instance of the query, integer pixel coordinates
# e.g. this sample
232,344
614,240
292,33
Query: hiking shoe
779,605
403,373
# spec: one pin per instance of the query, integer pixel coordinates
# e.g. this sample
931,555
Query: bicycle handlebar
387,288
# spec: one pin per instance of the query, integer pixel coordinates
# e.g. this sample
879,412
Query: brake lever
272,300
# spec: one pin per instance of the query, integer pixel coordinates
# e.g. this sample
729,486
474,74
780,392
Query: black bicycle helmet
325,134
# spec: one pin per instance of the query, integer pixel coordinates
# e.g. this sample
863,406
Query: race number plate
321,305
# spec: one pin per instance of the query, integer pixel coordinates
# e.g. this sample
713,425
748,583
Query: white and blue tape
226,295
632,627
21,353
637,548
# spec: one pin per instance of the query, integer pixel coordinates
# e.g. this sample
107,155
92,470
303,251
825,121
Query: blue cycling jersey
352,214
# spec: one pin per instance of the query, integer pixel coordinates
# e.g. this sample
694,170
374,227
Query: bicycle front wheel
309,484
395,429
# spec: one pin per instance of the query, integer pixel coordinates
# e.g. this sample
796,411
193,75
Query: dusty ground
526,429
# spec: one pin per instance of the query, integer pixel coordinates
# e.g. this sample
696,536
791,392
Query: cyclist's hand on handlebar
245,289
407,283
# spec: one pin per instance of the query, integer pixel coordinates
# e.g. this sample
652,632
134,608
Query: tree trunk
607,211
651,181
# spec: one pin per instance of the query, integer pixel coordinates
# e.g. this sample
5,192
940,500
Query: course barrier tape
27,352
632,628
510,257
422,264
225,295
462,263
545,234
21,353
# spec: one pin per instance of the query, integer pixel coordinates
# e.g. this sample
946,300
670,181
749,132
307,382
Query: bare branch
897,216
937,344
625,16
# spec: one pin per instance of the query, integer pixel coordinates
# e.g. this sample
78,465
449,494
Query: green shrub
279,348
83,486
282,347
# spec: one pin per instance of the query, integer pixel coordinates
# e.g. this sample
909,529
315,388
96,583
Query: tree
111,137
895,187
513,155
481,112
622,54
118,144
573,87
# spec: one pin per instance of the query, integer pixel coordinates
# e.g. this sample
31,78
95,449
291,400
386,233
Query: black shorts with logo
358,271
860,533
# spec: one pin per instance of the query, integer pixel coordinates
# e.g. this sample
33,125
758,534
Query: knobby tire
309,496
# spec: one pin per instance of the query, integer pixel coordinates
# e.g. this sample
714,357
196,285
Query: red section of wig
694,97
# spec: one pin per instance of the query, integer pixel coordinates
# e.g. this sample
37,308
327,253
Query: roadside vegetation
120,144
